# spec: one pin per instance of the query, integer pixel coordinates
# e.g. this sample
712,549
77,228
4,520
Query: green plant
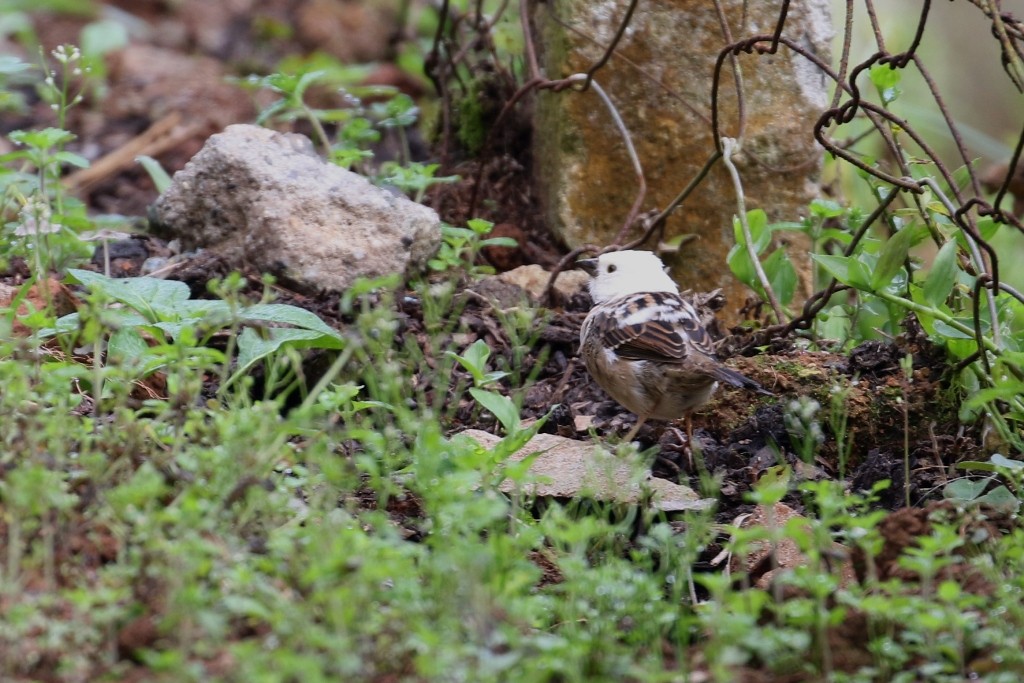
777,266
805,434
889,284
162,312
968,491
48,222
292,104
875,281
460,246
474,359
838,421
161,179
356,126
412,178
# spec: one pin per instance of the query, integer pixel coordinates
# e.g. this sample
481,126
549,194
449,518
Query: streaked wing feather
656,326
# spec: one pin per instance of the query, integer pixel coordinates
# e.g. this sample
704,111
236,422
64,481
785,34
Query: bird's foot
633,432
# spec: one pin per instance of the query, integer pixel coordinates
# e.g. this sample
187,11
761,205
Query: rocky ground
166,94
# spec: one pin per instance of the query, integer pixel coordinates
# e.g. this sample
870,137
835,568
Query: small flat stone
566,468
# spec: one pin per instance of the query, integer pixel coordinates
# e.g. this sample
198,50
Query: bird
645,345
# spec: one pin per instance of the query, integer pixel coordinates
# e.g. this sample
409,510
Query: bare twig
610,50
728,146
163,135
627,140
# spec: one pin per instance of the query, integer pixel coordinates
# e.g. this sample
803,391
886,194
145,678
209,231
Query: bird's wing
653,326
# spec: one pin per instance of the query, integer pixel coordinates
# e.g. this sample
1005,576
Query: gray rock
265,200
566,468
533,280
513,287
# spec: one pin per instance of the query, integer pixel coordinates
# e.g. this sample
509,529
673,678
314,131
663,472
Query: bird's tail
738,379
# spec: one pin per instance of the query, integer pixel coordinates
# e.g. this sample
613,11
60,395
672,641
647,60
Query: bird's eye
612,268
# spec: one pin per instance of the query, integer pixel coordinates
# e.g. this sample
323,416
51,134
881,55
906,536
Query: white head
619,273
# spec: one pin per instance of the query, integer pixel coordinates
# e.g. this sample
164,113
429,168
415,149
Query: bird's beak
589,265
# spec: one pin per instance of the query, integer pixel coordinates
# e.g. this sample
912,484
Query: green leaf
886,78
826,208
949,591
836,234
514,442
845,269
500,406
193,309
673,244
893,256
172,329
245,606
290,315
741,266
156,172
126,346
139,293
944,329
987,228
9,64
942,275
304,81
783,226
71,159
252,347
476,356
976,466
1006,392
1000,460
760,234
455,232
499,242
399,111
772,486
960,348
46,138
781,275
965,489
271,111
144,488
474,360
1001,498
834,323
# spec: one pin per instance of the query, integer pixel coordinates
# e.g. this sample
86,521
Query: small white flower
34,219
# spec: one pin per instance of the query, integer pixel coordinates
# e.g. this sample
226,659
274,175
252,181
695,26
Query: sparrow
645,345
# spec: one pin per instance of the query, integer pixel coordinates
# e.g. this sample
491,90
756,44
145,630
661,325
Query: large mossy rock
660,79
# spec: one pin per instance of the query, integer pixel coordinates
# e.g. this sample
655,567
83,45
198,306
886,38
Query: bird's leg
640,419
690,448
689,438
684,445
